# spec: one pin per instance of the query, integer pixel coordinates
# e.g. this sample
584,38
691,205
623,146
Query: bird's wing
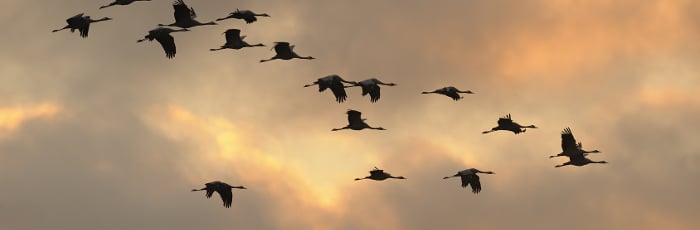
249,18
168,43
233,35
465,180
376,172
282,47
505,121
226,195
84,29
453,94
210,188
338,91
354,116
374,93
568,143
475,183
75,19
182,12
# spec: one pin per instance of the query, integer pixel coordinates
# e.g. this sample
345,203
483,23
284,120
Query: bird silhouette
569,146
469,177
247,15
335,83
184,16
506,123
379,175
162,35
222,188
285,51
80,23
575,152
355,122
122,2
371,87
234,40
451,92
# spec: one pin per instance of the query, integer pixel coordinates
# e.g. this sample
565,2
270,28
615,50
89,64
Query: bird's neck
99,20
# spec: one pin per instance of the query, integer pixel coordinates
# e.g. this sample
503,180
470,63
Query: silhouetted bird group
185,18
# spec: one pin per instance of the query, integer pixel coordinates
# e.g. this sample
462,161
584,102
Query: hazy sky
106,133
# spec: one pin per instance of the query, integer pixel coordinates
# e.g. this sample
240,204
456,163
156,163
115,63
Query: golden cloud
12,118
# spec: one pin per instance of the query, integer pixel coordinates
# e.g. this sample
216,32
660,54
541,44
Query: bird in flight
507,124
162,35
222,188
285,51
80,23
234,40
335,83
451,92
122,2
379,175
247,15
573,150
184,16
371,87
469,177
355,122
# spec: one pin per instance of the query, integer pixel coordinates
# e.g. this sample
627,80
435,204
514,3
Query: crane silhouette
184,16
80,23
575,152
469,177
234,40
285,51
355,122
569,146
222,188
162,35
122,2
371,87
451,92
506,123
247,15
379,175
335,83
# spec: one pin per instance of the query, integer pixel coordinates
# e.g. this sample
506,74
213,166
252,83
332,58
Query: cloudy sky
106,133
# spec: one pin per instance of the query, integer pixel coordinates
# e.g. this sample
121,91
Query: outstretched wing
376,173
182,12
75,20
505,121
248,16
84,29
338,91
373,91
168,43
465,180
282,47
210,187
354,116
226,195
233,35
568,143
475,183
453,94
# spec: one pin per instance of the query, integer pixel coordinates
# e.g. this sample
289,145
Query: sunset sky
106,133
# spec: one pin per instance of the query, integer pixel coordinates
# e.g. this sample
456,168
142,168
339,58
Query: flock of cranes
185,19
